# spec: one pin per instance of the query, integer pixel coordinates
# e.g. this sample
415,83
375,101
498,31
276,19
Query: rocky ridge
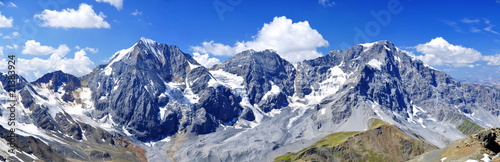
160,99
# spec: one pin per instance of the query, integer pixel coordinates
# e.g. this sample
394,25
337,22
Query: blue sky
460,37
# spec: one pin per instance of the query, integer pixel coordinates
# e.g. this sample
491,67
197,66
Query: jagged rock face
216,103
339,90
58,79
22,87
61,83
262,70
20,81
255,99
137,82
489,139
41,114
128,86
45,131
370,72
32,146
381,73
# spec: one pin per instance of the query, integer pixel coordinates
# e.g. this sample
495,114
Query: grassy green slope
469,128
381,142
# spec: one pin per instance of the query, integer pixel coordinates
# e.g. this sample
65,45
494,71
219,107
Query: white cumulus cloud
294,42
217,49
5,22
492,60
32,47
33,68
91,50
205,59
117,3
439,52
79,65
84,17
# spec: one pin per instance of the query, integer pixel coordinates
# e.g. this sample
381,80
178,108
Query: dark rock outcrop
57,79
261,70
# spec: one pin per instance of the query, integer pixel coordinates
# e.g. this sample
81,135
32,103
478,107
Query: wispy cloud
136,13
489,27
454,25
12,36
15,46
476,25
491,30
326,3
11,4
469,21
474,29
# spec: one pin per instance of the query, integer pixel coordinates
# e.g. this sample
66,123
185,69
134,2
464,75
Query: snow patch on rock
375,64
275,90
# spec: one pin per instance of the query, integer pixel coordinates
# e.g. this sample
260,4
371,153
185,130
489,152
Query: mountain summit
154,90
340,92
253,106
267,77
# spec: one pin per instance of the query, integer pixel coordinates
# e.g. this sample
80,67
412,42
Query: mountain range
153,102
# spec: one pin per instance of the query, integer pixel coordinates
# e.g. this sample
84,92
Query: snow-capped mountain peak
385,44
150,46
147,40
257,100
120,55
